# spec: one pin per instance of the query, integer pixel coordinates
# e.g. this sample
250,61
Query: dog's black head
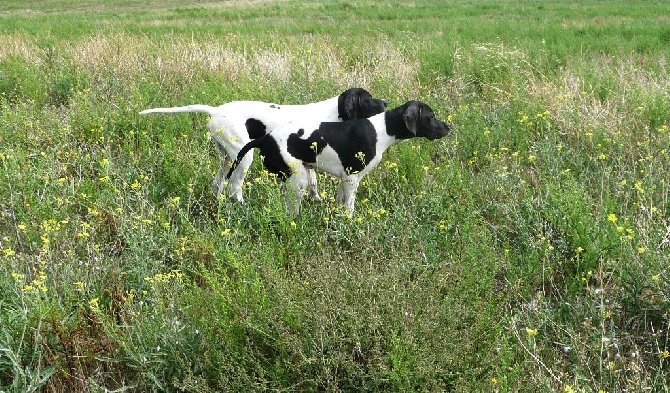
357,103
420,120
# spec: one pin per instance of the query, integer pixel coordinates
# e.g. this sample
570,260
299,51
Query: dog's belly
328,161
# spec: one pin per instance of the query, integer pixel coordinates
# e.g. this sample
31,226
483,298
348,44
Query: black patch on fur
274,106
354,142
255,128
272,159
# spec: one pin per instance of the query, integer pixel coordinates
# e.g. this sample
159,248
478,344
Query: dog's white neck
384,140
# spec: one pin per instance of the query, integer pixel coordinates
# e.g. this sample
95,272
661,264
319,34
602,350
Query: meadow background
526,251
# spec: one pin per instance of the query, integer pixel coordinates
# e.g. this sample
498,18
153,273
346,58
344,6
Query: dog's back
259,117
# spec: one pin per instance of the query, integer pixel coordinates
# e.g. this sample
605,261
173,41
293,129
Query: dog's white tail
179,109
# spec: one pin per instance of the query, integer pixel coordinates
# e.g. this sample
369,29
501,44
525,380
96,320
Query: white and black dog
347,150
234,124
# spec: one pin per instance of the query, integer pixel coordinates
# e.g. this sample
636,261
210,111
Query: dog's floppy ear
411,117
350,107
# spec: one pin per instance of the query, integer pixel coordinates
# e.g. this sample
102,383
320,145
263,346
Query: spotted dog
348,150
236,123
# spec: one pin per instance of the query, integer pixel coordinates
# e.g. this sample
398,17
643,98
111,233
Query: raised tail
179,109
243,152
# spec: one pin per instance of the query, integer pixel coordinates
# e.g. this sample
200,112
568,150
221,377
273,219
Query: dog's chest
339,149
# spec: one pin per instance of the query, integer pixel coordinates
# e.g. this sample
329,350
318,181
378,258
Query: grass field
527,251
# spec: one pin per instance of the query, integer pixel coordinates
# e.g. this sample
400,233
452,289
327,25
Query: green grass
527,251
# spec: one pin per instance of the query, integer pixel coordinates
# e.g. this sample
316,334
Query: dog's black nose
447,125
385,103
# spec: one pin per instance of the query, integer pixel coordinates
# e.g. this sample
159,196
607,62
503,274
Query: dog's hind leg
299,182
312,187
218,183
236,179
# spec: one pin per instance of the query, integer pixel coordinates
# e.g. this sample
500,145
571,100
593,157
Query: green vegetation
527,251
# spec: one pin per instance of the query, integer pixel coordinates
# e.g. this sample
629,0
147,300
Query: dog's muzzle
440,132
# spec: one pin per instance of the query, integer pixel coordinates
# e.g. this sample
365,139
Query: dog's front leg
346,192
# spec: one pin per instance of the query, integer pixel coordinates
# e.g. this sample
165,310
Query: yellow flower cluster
376,213
174,202
182,245
586,277
524,119
174,274
49,229
627,233
37,285
84,232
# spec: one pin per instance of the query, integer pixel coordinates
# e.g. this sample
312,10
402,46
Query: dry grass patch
309,59
21,46
610,99
122,53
